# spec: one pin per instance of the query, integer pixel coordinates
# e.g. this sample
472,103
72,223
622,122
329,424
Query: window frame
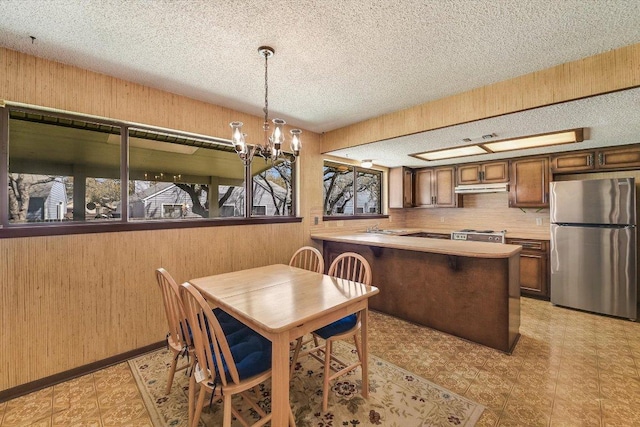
354,169
10,230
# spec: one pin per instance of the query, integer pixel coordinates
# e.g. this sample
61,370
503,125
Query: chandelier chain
266,92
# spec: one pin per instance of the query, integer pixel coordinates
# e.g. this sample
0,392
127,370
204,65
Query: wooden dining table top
279,297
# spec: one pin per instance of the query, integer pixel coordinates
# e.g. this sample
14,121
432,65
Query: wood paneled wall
71,300
610,71
66,301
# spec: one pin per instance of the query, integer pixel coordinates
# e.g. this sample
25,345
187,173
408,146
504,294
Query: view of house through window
175,177
69,169
350,190
62,170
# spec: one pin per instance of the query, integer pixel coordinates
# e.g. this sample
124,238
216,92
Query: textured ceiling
336,62
611,119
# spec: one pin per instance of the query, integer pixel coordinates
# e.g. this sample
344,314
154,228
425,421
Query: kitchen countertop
440,246
533,235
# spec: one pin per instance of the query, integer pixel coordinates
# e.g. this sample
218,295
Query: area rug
396,398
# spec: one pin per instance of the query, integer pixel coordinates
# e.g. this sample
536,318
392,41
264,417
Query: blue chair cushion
338,327
251,352
228,323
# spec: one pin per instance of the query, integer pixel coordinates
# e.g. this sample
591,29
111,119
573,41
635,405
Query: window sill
350,217
33,230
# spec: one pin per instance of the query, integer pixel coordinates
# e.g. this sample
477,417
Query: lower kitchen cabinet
534,267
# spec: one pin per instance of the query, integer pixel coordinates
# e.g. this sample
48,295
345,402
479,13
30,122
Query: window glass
349,190
62,169
368,185
174,177
272,188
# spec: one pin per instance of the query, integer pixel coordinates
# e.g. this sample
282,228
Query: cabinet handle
482,176
590,160
601,159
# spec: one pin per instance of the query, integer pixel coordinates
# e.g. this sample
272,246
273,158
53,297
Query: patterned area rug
396,398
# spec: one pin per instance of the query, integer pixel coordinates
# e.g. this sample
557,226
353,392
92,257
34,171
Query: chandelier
271,149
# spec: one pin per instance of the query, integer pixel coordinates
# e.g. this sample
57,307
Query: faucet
373,228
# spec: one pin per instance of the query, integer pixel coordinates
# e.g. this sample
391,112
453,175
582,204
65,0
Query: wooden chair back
176,318
351,266
309,258
209,341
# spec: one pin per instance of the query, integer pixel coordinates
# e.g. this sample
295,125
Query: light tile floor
569,369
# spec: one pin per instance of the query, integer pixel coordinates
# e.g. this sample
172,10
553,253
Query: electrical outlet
441,219
315,220
538,221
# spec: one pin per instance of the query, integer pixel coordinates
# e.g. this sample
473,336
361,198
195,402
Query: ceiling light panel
470,150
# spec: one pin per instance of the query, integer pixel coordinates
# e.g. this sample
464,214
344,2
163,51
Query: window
167,169
350,190
69,168
272,188
62,169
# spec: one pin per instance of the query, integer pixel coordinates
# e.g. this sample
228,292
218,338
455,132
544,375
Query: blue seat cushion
228,323
338,327
251,352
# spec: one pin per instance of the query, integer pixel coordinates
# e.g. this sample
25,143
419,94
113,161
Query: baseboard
21,390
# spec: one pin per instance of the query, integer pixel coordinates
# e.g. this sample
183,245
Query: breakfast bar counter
467,289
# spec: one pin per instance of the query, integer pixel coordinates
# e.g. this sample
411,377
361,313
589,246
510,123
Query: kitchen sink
376,231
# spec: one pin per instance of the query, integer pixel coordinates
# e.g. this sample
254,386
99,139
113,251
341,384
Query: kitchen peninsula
467,289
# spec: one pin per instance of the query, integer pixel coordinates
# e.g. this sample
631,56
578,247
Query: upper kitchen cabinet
529,184
434,188
400,187
603,159
481,173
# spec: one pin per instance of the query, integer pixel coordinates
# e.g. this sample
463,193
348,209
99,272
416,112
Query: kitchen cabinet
480,173
604,159
529,183
400,187
534,267
434,188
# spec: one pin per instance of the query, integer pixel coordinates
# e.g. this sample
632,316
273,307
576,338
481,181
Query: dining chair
178,339
308,258
227,364
354,267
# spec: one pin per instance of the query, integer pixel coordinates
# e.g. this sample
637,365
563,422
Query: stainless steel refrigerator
593,246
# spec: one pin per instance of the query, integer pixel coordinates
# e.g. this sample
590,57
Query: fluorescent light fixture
535,141
366,163
470,150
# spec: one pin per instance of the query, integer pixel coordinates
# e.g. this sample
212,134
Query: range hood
502,187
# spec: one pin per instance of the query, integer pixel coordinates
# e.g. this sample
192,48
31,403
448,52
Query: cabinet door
529,183
574,162
495,172
618,158
424,195
534,267
407,194
533,273
469,174
400,188
444,183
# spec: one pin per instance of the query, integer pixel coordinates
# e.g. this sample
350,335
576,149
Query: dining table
283,303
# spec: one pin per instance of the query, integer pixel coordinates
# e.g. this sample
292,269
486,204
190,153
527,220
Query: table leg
364,324
280,406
